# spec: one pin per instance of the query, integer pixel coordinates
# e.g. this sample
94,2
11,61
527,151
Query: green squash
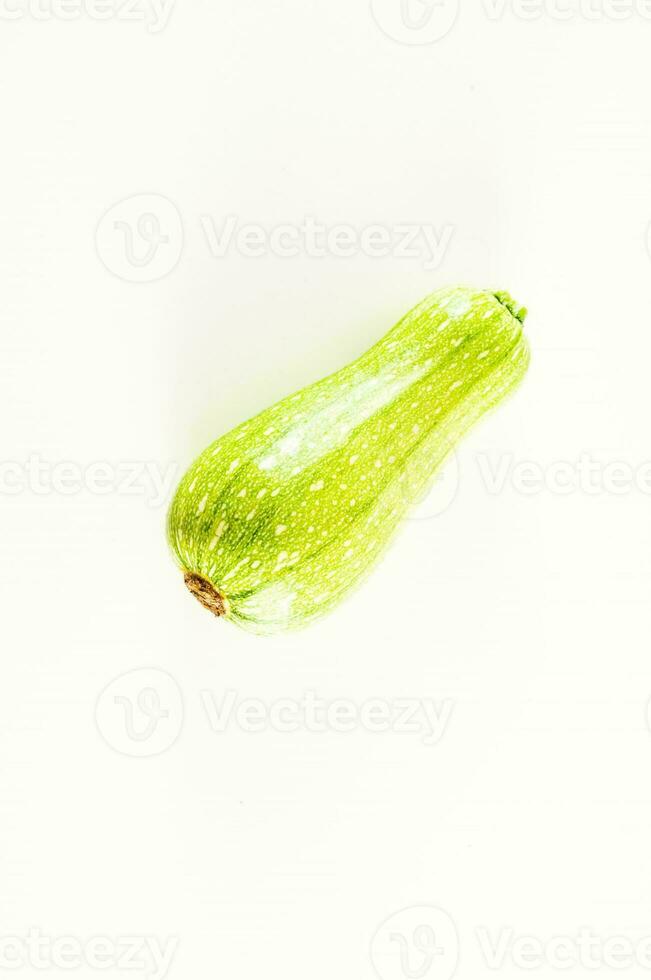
281,517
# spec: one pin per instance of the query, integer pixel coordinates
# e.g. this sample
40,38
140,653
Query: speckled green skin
286,513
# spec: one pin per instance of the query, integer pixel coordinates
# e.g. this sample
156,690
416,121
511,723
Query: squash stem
206,593
519,312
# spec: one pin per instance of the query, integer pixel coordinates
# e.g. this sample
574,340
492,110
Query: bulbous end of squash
519,312
206,593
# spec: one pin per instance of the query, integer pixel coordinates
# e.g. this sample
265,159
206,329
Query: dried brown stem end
206,593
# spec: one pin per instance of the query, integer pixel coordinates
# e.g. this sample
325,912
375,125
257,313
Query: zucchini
281,517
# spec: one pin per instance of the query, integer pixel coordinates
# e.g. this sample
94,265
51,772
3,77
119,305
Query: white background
518,602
